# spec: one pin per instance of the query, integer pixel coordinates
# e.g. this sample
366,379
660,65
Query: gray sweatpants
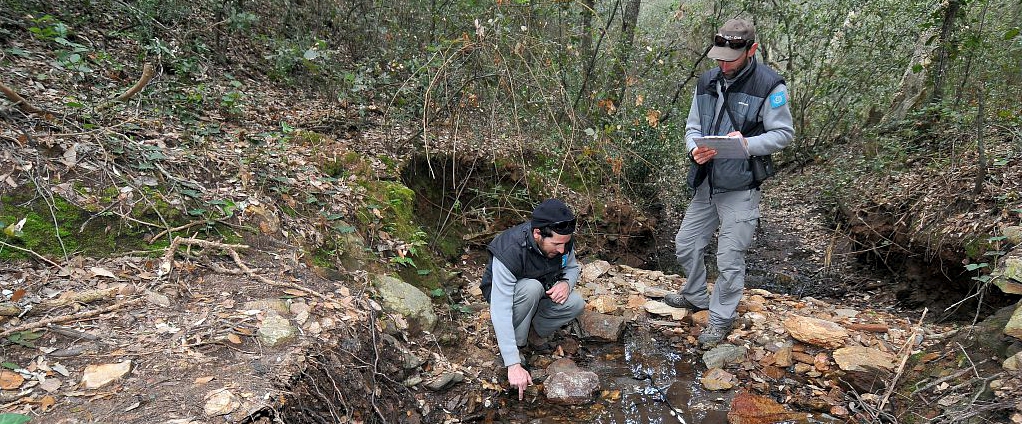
532,307
736,215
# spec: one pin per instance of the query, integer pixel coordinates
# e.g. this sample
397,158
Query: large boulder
405,299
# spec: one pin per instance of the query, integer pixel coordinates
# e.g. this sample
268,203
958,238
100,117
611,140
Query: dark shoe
712,335
678,301
537,343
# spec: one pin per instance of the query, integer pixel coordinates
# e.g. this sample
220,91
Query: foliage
11,418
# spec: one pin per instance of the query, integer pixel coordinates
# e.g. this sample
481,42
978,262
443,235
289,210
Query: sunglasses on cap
563,227
734,43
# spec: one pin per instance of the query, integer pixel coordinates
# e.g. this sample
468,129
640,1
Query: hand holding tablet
727,147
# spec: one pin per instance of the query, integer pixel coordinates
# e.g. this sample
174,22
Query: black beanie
549,212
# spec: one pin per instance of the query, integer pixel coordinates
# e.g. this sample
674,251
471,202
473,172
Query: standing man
740,98
529,283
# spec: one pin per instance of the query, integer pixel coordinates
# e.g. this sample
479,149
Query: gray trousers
533,308
736,215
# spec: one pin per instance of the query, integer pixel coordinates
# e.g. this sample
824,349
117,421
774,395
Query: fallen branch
15,98
147,75
12,310
72,317
167,265
949,377
31,252
176,229
906,352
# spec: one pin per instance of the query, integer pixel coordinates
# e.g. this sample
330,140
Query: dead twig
12,310
906,352
952,376
15,98
147,75
183,227
72,317
31,252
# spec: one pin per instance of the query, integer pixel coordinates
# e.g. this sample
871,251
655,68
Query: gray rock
724,354
275,330
444,381
572,387
602,326
405,299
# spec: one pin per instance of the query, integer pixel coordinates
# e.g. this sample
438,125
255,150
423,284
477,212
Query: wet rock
571,387
656,307
701,318
747,408
815,331
783,357
602,326
717,379
275,330
97,376
562,365
855,358
403,298
750,305
724,354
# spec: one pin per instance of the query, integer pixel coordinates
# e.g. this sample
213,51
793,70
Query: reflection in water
645,381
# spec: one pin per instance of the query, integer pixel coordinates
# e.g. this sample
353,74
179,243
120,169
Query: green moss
976,248
394,213
64,229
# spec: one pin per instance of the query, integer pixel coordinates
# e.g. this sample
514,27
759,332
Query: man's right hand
519,377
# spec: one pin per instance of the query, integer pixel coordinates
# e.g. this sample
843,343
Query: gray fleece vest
743,98
519,253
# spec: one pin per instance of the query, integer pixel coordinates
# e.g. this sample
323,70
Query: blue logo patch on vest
778,99
564,261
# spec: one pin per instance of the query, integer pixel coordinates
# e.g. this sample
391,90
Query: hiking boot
713,334
537,343
679,301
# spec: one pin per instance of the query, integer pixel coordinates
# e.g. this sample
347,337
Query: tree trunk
586,41
629,19
912,88
944,47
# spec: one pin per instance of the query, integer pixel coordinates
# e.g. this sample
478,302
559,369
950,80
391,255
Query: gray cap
733,30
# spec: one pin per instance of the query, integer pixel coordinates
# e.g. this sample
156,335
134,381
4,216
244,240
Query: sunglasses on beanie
563,227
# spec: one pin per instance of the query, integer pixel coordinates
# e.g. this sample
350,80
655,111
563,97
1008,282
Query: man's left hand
559,292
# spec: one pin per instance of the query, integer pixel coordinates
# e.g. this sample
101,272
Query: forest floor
187,329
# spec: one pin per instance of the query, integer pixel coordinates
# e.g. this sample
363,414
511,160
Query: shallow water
643,380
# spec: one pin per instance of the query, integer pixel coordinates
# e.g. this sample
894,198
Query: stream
643,380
